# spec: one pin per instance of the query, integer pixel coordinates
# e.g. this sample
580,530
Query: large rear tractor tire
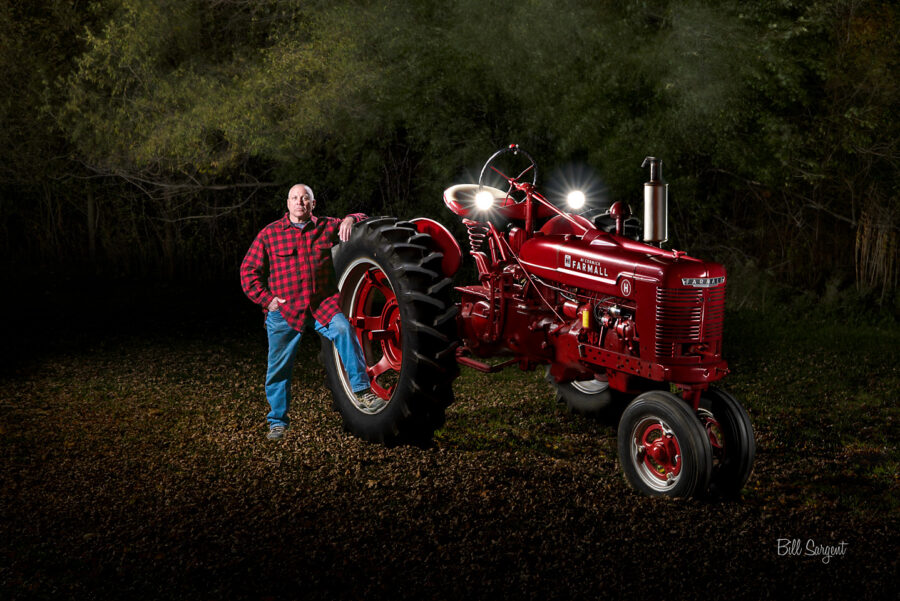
664,450
398,301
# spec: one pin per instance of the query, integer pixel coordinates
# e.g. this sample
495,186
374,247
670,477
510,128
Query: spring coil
478,233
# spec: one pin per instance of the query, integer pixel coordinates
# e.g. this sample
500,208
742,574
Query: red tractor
613,318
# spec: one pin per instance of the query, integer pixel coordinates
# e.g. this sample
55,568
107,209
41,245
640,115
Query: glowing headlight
484,200
575,199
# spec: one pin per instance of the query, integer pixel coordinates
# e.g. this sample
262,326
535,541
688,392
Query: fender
445,241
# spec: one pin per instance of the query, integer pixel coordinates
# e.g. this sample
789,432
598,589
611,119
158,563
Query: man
288,271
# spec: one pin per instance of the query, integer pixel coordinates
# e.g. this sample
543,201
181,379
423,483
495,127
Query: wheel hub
657,453
375,314
390,342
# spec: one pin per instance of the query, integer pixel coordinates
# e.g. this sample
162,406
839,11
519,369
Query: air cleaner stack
656,204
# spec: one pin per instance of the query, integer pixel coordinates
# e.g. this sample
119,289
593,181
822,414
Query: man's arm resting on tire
347,225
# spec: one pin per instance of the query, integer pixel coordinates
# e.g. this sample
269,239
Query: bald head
300,203
302,188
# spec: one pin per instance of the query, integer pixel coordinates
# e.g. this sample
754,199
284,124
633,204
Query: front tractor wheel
731,436
663,448
586,397
398,301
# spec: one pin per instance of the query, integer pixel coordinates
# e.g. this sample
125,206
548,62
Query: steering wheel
515,150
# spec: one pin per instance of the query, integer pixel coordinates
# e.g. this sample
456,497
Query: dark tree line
153,138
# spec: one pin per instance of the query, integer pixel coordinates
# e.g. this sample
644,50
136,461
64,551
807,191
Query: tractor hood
612,265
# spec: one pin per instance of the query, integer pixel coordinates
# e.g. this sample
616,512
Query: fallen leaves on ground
137,467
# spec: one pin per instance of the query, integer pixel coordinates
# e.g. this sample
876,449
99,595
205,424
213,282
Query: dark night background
143,145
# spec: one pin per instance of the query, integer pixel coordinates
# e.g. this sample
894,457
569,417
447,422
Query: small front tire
731,437
593,398
663,448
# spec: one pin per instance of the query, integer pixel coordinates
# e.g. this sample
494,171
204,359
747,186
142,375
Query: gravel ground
134,465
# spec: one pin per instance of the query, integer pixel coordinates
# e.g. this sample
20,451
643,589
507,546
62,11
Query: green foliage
36,39
143,94
753,288
774,119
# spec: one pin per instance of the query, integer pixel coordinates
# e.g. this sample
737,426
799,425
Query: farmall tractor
614,320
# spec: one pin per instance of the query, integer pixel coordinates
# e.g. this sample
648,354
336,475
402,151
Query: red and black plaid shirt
295,264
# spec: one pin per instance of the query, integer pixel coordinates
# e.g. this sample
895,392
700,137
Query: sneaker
369,400
276,433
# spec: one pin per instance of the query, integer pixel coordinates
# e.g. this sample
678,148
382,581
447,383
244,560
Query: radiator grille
715,313
688,316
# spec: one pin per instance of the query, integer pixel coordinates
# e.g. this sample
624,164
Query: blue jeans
283,343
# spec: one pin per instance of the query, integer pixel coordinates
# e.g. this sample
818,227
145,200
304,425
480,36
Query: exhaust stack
656,204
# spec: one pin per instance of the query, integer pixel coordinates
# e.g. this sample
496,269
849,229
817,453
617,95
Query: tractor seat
461,198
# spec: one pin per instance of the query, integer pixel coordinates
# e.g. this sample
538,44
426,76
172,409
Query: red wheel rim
656,453
375,314
662,454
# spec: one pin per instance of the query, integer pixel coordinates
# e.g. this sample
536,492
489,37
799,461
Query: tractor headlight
484,200
575,199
